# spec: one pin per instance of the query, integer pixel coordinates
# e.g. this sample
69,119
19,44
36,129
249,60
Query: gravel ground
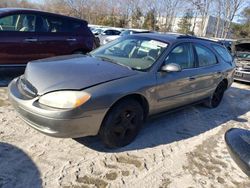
182,149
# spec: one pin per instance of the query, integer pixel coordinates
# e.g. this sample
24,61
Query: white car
108,32
125,32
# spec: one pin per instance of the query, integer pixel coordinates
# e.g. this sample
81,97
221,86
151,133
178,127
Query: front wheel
122,124
215,100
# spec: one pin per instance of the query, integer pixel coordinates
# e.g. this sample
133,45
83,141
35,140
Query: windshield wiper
113,61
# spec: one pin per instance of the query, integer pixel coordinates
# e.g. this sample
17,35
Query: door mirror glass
172,67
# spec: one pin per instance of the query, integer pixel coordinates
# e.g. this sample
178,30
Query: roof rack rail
187,36
194,37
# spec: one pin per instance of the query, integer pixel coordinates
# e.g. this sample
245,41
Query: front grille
246,76
26,88
243,69
242,76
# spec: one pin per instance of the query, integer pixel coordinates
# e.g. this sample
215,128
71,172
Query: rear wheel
122,124
217,96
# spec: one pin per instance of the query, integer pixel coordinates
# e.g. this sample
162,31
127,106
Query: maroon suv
27,35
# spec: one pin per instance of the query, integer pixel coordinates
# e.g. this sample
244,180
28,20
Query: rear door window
53,24
18,22
205,56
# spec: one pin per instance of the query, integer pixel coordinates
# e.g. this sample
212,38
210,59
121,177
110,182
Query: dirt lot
182,149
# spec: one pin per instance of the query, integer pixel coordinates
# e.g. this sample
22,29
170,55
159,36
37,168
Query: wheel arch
225,82
136,96
76,51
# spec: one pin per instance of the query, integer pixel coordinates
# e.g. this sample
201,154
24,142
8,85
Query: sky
237,18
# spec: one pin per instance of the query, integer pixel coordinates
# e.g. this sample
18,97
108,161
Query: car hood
241,46
74,72
113,37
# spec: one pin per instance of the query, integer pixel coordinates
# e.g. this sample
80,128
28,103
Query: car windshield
97,30
244,55
135,53
126,32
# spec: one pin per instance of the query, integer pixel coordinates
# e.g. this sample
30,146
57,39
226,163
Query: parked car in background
107,32
124,33
111,91
97,31
241,50
27,35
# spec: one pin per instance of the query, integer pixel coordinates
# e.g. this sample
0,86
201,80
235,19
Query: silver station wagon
112,90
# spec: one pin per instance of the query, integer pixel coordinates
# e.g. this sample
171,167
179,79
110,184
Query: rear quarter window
223,52
206,57
76,26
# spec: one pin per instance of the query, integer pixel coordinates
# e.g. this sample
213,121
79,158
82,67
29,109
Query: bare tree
167,10
230,10
202,8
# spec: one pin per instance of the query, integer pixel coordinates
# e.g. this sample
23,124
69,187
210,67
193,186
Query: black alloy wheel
122,123
218,94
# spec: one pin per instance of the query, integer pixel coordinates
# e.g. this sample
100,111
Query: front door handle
30,40
71,39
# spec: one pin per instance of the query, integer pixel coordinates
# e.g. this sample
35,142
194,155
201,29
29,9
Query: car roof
112,28
137,30
173,37
9,10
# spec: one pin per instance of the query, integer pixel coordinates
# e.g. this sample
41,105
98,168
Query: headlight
65,99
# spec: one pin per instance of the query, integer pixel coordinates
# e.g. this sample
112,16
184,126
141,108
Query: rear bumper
242,75
55,122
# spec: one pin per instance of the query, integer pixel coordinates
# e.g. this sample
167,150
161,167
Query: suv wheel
122,124
217,96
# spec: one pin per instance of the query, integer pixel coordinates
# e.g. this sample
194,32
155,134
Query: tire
122,124
215,100
96,43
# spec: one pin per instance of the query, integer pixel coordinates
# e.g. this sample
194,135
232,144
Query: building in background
212,27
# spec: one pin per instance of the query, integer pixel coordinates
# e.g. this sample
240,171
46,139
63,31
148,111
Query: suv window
116,32
74,26
205,56
182,55
53,25
223,52
18,22
108,32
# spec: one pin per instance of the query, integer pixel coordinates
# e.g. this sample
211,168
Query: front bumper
55,122
242,75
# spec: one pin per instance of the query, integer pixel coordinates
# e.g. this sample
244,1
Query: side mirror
172,67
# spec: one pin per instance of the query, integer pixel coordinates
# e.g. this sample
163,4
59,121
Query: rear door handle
30,40
71,39
191,78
